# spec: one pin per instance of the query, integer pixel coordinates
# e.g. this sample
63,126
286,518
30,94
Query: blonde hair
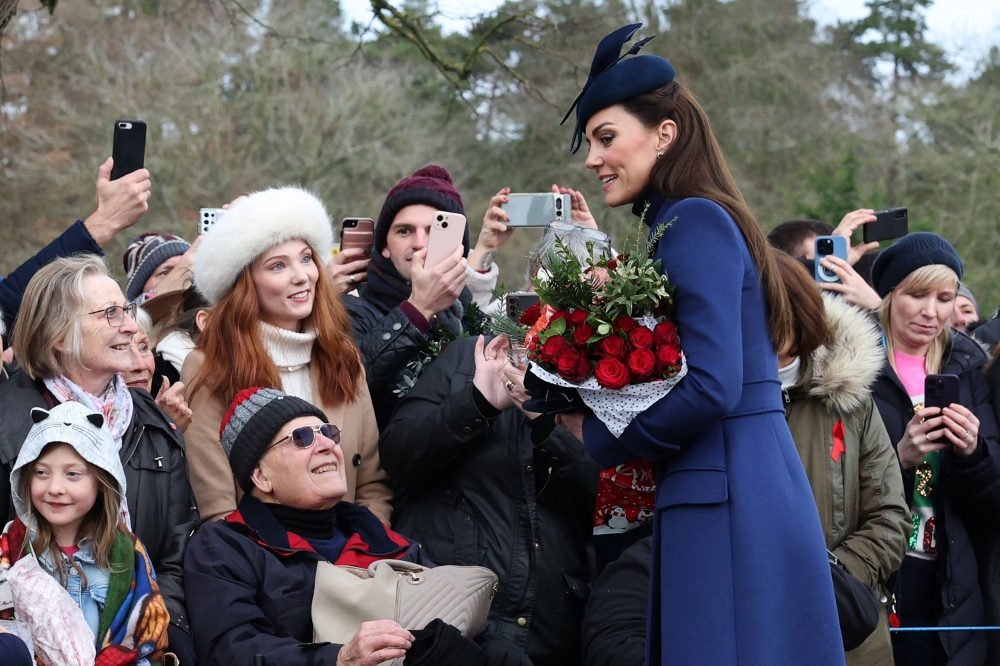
922,279
100,525
50,315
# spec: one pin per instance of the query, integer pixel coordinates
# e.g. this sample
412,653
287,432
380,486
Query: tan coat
860,495
217,492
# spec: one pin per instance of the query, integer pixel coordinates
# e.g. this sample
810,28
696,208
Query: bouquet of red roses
606,329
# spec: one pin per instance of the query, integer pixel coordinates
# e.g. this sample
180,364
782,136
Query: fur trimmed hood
842,371
253,226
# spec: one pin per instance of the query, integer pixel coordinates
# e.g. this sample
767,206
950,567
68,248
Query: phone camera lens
826,246
559,204
440,217
444,225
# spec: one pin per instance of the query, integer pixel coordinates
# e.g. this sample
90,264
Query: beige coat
217,492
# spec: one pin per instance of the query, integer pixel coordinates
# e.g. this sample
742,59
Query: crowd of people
179,457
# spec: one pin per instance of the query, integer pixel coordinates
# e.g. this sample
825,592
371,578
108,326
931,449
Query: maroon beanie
430,186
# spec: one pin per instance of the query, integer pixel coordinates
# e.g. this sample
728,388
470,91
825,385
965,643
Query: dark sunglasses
304,436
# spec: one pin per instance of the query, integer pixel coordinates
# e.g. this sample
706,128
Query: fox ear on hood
96,419
38,414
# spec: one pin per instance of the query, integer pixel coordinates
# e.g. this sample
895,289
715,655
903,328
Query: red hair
235,356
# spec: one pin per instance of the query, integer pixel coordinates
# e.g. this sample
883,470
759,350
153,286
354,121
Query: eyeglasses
116,313
304,436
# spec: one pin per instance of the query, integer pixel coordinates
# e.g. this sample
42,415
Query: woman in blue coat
740,572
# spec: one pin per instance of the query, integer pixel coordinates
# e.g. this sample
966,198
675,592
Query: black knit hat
254,418
909,253
430,186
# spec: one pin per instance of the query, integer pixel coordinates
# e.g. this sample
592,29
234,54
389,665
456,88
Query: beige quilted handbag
408,593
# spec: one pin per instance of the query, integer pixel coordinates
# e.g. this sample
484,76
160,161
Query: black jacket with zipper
967,495
158,492
478,491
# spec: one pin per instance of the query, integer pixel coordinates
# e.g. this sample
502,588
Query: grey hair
50,315
144,322
579,241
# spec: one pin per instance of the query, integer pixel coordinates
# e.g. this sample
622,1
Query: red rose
611,374
553,347
612,347
573,366
531,315
612,264
641,338
559,314
665,333
582,333
577,317
641,363
625,324
667,356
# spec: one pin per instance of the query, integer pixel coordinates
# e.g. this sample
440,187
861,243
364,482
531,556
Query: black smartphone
892,223
941,390
518,303
129,150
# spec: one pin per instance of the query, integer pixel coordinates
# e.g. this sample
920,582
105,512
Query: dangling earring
659,154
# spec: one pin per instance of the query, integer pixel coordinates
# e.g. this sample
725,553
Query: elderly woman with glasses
73,341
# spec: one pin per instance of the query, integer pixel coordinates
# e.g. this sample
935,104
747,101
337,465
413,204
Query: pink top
70,551
911,370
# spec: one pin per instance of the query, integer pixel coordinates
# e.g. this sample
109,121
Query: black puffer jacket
477,491
158,492
614,626
388,340
969,494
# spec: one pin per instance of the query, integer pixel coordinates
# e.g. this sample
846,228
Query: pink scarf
115,404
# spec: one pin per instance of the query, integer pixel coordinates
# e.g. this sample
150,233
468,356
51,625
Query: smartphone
537,210
129,149
207,217
829,246
447,233
892,223
941,390
518,302
357,233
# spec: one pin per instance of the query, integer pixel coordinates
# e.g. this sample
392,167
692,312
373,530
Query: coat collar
368,539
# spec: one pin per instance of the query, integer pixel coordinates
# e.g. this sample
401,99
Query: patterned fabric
115,404
626,497
135,618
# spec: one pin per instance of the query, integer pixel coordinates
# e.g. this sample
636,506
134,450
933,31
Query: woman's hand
961,428
374,643
853,287
489,377
348,270
494,233
846,228
514,383
579,211
922,436
573,422
171,400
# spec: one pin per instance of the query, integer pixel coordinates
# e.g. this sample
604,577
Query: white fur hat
70,423
253,226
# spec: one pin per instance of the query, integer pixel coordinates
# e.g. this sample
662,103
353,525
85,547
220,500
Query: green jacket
859,490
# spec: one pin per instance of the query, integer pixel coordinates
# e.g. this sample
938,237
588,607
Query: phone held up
129,149
447,233
357,233
207,217
888,224
941,390
536,210
826,246
518,302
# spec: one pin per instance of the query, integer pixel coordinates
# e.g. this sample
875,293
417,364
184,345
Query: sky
964,28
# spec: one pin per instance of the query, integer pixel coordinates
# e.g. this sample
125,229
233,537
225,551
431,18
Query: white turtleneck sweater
291,352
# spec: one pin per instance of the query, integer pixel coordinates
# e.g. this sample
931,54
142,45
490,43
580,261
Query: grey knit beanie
254,418
144,255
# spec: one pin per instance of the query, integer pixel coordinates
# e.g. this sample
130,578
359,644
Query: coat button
73,571
397,326
522,622
386,336
537,545
530,468
467,430
477,422
356,460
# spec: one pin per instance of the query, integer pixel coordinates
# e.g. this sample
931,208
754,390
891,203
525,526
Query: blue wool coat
739,573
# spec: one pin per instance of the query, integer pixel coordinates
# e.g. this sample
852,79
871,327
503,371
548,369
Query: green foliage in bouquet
566,285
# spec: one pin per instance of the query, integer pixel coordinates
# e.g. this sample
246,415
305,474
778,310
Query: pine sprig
564,287
501,324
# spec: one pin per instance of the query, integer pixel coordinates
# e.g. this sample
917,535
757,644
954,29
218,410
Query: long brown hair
235,356
695,167
809,327
100,525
